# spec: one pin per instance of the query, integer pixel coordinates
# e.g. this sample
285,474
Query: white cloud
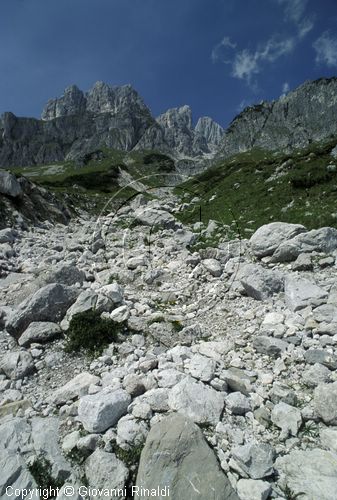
220,51
246,64
285,88
305,27
275,48
326,49
294,11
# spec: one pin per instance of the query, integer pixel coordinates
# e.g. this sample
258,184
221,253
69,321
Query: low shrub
90,333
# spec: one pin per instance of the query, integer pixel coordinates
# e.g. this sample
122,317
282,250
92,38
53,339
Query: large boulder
300,293
153,217
105,472
319,240
100,411
17,364
268,237
255,459
197,401
50,303
9,185
76,387
45,435
309,474
260,283
86,301
66,274
15,476
177,457
39,331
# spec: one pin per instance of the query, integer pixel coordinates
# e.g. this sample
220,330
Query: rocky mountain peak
305,115
208,128
101,98
177,118
72,102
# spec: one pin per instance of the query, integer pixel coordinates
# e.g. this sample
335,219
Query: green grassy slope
252,189
96,181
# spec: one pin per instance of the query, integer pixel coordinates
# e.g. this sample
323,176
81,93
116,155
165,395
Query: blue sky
215,55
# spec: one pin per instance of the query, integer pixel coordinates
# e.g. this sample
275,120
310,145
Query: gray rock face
237,380
9,185
75,124
237,403
66,275
50,303
321,356
250,489
209,129
36,205
15,474
21,439
319,240
173,133
213,266
45,433
311,474
176,456
155,217
79,123
72,102
269,345
316,374
287,418
291,122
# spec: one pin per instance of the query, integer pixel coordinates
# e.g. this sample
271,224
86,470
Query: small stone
287,418
325,402
321,356
250,489
316,374
213,266
255,459
269,345
237,403
202,368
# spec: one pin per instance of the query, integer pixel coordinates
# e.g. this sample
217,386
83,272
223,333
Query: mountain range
79,123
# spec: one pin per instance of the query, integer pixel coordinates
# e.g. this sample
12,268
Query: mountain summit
305,115
78,123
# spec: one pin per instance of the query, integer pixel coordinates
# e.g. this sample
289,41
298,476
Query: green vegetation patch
90,333
40,469
258,187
